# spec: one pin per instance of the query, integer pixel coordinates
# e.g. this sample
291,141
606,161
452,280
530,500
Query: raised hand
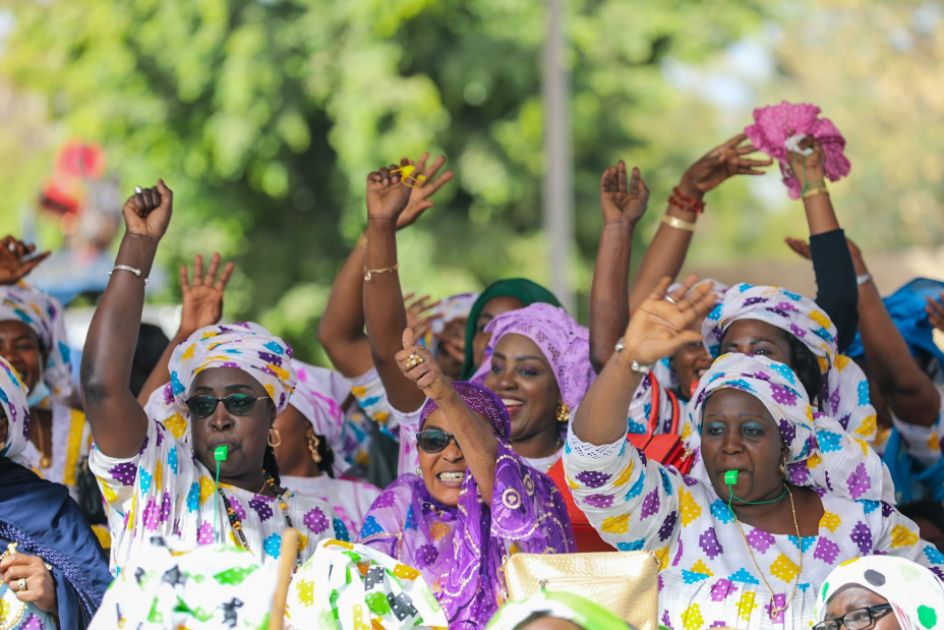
622,203
809,169
421,194
147,213
17,259
418,318
663,322
202,298
388,193
418,365
722,162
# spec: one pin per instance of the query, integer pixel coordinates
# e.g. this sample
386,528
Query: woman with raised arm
809,341
53,571
206,473
783,496
472,501
895,346
341,333
33,340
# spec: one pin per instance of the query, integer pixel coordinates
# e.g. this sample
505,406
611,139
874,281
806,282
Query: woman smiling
472,502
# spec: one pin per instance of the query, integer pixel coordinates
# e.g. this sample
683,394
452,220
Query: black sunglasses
236,404
858,619
434,440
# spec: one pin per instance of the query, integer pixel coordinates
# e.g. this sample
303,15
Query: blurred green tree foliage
266,115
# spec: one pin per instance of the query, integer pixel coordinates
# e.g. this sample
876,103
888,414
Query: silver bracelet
133,270
635,366
860,280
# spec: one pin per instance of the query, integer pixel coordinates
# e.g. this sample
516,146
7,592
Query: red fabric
586,536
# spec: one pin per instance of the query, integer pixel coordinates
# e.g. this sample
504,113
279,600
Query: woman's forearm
609,299
341,330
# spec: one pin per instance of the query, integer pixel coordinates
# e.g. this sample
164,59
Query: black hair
327,456
270,466
928,510
806,366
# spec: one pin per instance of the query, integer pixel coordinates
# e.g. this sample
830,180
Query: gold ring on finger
21,584
414,359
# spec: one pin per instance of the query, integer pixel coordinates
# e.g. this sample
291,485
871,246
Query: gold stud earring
563,412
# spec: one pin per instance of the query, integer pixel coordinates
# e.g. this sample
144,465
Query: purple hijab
563,342
460,550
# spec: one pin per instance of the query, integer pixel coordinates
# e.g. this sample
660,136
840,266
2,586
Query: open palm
203,296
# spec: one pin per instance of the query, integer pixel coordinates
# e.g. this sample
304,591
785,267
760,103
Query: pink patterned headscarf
564,343
778,129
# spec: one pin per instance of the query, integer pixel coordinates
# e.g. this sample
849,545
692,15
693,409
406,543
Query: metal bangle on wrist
635,366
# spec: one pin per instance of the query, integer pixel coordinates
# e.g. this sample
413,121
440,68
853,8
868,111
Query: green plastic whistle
730,477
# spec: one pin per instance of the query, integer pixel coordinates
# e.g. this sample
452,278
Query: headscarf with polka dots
914,592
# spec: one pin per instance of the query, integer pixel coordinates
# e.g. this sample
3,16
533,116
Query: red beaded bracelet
681,200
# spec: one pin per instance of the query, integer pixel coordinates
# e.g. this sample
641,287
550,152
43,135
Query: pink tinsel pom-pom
776,124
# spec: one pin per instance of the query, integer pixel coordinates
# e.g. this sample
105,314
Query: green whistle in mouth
730,477
221,452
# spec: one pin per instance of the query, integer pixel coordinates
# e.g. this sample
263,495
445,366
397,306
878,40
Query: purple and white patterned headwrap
314,401
16,410
821,454
564,343
246,346
845,393
40,311
479,400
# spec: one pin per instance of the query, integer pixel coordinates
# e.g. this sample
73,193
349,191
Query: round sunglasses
237,404
434,440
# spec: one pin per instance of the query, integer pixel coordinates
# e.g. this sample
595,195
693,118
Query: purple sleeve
523,510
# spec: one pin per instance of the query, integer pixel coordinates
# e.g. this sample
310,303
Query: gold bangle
815,191
679,224
369,273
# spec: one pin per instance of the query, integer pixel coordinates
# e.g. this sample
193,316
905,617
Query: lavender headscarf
460,549
564,343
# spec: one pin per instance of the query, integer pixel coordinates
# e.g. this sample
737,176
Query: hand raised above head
808,164
202,298
147,212
389,188
621,201
721,163
17,259
423,190
664,322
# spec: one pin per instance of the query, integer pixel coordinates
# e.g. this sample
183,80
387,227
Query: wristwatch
635,366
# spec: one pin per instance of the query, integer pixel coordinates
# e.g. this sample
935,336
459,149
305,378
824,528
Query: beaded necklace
237,524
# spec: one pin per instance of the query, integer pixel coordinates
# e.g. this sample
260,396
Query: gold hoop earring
274,443
783,469
562,412
313,443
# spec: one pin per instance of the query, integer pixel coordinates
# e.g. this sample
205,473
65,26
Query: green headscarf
521,288
558,605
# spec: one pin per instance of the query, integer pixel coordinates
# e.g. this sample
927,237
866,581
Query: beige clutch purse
624,582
